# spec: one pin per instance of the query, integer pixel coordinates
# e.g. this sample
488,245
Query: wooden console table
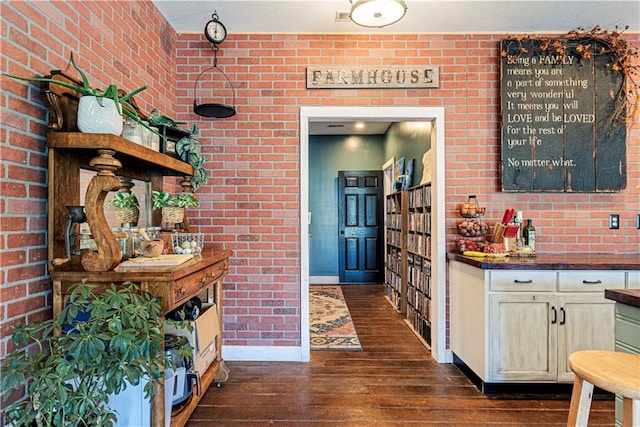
202,275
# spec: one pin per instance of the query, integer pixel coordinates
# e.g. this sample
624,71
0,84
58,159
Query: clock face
215,31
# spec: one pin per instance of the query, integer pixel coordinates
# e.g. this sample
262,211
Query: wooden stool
612,371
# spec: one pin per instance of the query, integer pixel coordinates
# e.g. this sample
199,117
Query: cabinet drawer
192,284
522,280
590,280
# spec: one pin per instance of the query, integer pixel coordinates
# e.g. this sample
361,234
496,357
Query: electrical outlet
614,221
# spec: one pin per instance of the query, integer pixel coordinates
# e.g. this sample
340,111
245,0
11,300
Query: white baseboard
324,280
264,354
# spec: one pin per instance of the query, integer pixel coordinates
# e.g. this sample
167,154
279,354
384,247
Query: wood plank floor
393,381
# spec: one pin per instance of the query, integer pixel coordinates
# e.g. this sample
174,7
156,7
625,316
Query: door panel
360,222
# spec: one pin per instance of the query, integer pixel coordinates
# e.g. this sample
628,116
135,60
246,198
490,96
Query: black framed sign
557,132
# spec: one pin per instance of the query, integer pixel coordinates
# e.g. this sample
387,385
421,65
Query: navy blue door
360,226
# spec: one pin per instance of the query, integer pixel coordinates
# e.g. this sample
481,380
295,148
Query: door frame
436,116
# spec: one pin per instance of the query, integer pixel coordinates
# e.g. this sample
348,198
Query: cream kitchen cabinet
521,325
532,335
522,337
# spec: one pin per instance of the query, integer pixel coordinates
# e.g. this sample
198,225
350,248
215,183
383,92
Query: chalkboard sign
557,133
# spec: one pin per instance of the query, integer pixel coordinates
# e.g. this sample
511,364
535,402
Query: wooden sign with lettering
557,133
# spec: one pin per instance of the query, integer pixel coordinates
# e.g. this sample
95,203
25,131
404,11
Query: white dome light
377,13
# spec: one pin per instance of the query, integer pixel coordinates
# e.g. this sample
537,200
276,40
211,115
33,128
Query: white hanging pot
99,116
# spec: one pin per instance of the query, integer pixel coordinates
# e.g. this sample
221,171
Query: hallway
393,381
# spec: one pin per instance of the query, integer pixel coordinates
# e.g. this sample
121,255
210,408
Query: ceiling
423,16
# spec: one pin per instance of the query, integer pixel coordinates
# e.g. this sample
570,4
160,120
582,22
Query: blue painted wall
332,153
409,140
327,156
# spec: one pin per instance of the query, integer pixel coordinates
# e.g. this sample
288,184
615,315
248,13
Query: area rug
331,326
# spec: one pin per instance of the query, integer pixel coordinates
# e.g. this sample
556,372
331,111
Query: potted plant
189,150
173,206
126,206
105,342
99,111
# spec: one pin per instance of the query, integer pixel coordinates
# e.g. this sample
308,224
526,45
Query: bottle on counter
529,234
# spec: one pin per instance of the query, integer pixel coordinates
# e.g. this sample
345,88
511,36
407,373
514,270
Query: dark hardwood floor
393,381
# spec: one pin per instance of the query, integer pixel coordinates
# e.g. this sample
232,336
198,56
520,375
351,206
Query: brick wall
127,43
252,205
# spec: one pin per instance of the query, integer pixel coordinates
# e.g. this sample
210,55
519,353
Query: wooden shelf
181,418
129,151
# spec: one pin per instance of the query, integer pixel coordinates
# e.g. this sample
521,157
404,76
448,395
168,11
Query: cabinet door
522,342
585,322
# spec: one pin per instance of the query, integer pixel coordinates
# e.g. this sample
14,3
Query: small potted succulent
173,206
126,206
99,111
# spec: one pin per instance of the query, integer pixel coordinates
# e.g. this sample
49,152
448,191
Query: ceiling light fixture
377,13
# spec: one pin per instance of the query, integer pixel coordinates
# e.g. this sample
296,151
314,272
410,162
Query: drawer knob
182,290
592,282
523,282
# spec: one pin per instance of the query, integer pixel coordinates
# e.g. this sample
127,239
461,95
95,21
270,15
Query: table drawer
590,280
522,280
191,285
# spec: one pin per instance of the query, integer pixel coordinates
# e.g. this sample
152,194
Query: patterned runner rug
329,320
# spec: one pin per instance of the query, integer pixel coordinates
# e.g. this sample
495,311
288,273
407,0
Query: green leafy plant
106,340
123,200
111,92
162,199
188,148
156,119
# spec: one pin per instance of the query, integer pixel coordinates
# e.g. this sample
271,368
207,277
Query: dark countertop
554,261
625,296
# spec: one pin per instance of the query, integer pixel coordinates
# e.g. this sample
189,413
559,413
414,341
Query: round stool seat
612,371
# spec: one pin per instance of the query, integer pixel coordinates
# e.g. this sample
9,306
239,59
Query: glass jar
134,237
154,233
132,131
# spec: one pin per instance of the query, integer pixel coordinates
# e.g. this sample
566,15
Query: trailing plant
623,58
111,92
123,200
156,119
189,149
162,199
105,341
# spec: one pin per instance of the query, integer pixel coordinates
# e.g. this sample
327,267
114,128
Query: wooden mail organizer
203,275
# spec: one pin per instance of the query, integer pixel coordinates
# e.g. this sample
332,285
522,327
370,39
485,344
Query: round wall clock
215,30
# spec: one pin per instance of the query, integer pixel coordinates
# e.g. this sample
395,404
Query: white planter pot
96,118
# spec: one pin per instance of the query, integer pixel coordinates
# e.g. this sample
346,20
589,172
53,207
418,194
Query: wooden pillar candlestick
109,254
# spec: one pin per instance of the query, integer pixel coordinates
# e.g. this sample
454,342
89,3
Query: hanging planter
214,110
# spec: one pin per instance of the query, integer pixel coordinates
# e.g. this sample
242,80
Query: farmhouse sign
557,132
372,77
